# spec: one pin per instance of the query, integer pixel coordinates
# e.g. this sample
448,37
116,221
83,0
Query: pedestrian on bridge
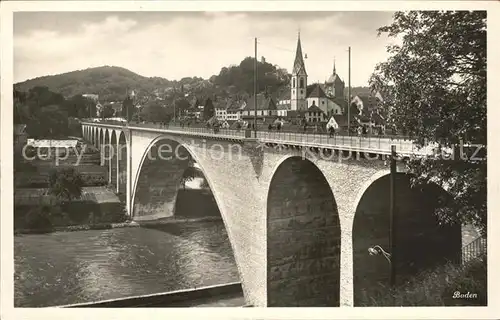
332,131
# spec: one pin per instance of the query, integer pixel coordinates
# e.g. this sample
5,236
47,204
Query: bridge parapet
372,144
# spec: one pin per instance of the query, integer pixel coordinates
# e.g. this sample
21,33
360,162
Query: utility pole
255,92
349,96
392,209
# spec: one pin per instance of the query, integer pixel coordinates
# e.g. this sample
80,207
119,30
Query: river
75,267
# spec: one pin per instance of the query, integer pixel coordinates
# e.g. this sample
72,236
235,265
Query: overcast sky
182,44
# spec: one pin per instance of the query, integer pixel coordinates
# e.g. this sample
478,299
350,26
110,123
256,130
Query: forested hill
111,83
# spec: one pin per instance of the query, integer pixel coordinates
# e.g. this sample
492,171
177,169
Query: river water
75,267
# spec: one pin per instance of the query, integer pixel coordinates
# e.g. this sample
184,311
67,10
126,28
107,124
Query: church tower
334,85
299,81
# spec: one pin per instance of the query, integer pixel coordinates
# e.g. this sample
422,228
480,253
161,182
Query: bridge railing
299,130
474,249
359,142
198,130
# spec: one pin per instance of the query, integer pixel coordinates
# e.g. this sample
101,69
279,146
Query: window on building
323,102
301,83
293,86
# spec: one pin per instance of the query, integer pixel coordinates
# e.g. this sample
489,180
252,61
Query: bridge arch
303,237
172,170
421,241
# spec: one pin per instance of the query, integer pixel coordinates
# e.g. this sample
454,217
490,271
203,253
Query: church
329,97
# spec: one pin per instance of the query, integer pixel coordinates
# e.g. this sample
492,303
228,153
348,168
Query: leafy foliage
107,111
128,109
65,183
436,287
154,111
48,114
80,107
208,110
191,173
113,83
434,88
240,79
110,83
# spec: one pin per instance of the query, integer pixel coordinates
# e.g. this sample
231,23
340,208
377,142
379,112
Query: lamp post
392,209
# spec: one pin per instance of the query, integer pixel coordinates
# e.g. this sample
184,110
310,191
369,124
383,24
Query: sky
174,45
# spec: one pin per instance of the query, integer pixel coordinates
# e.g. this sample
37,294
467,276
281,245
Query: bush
94,180
65,183
38,218
437,287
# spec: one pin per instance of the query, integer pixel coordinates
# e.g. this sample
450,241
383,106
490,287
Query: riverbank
447,285
127,224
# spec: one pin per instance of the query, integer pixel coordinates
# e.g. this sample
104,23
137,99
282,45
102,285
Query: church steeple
334,71
298,84
298,65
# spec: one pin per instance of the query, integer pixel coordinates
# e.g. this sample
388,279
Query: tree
434,87
107,111
65,183
128,108
155,112
190,174
181,105
204,184
80,107
49,122
208,110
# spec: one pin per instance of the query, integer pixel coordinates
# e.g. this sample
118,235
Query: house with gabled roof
234,109
266,107
315,114
367,111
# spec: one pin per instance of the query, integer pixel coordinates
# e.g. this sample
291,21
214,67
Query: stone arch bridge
300,213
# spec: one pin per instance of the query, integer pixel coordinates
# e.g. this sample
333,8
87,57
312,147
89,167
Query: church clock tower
299,81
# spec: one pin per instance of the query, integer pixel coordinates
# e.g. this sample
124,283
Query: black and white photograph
253,158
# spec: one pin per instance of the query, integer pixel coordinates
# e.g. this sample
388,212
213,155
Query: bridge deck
370,144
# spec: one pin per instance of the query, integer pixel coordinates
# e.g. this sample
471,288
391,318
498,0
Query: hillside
111,83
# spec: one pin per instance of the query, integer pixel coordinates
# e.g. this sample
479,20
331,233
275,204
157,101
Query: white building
329,96
265,107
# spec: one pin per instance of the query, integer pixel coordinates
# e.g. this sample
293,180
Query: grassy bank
437,287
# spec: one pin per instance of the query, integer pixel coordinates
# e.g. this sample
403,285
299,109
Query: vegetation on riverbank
437,287
50,215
